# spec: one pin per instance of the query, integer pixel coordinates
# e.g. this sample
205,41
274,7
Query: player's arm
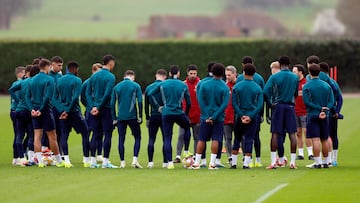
28,96
107,94
331,100
259,104
268,90
147,105
75,96
113,104
88,93
56,100
225,95
49,93
308,101
154,91
83,94
187,100
14,88
201,96
139,101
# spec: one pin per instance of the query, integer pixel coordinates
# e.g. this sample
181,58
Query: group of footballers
222,107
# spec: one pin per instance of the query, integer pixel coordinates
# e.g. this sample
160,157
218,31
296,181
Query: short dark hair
129,72
249,69
324,67
300,68
314,70
192,67
72,64
43,63
218,70
247,59
313,59
174,69
161,72
34,70
28,68
57,59
36,61
107,58
284,60
210,65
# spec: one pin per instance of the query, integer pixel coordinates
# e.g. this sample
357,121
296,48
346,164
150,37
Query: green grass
120,18
32,184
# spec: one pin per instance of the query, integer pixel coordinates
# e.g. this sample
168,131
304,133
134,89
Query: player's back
127,92
41,86
318,93
99,83
173,92
283,87
67,86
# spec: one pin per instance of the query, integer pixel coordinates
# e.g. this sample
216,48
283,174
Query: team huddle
225,108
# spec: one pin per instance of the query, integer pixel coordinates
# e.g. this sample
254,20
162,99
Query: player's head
246,60
174,71
28,70
314,70
73,67
218,70
210,65
161,74
130,74
324,67
249,70
57,64
44,65
230,73
20,72
275,67
312,60
34,70
299,70
109,61
192,72
36,61
96,67
284,61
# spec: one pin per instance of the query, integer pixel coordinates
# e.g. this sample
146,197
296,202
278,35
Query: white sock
301,151
273,158
135,159
335,155
165,165
281,160
327,160
170,163
310,151
151,164
234,159
43,148
92,160
258,160
203,161
186,152
292,158
329,157
31,155
197,159
122,163
58,158
105,161
217,161
67,159
212,159
178,156
86,160
247,160
317,160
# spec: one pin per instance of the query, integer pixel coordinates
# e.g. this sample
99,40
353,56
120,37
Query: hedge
146,57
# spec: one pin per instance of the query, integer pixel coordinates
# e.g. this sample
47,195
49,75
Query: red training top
300,108
194,113
229,111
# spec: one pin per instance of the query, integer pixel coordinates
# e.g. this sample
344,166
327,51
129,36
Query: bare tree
348,12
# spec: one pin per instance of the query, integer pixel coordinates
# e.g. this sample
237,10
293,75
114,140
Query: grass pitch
78,184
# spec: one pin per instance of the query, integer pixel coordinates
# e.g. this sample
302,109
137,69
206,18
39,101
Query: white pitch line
271,192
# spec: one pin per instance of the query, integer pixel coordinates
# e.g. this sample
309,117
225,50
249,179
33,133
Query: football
187,162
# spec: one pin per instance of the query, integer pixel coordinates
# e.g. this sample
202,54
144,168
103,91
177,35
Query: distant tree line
12,8
241,4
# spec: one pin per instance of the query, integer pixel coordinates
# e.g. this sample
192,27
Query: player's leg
203,132
30,132
65,128
290,126
94,124
324,135
121,126
218,154
136,132
335,139
80,126
183,122
15,160
250,131
228,129
257,143
179,145
217,134
107,126
168,123
99,146
21,126
195,130
236,145
276,128
165,161
299,138
313,133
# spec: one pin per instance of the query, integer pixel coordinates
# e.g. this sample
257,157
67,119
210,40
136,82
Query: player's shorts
74,120
317,128
214,132
301,121
246,131
101,122
45,121
283,119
